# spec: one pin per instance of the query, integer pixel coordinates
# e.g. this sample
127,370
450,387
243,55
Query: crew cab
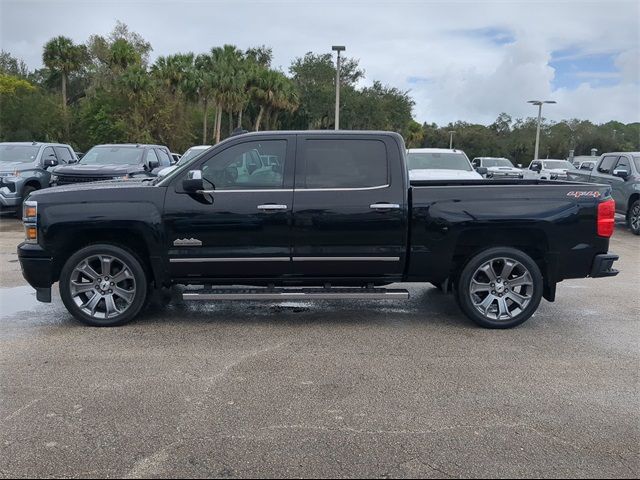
114,161
621,170
335,217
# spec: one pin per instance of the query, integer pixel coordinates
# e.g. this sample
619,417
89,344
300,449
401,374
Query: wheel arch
65,244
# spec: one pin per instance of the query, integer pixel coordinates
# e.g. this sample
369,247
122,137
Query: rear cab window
344,163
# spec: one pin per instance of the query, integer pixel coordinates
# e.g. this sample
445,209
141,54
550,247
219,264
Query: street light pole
338,48
539,104
451,132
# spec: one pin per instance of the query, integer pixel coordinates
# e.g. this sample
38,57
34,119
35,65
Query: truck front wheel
633,217
500,288
103,285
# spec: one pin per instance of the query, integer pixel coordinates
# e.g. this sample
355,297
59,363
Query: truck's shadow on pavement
426,306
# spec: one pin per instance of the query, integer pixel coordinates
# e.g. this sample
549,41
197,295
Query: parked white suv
440,164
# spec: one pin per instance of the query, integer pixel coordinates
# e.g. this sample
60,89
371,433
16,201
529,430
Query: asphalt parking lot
323,389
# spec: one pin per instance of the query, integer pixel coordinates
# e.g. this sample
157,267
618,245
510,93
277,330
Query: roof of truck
435,150
36,144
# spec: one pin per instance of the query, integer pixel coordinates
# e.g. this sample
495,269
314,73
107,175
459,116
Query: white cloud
470,76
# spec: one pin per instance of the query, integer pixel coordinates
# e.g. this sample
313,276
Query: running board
294,294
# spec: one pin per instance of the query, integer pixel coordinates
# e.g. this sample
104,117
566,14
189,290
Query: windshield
189,154
113,156
438,160
18,153
553,164
496,162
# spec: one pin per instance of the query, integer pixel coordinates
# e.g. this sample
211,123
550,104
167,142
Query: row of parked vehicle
29,166
26,167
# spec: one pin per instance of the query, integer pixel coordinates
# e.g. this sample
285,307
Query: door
604,171
349,216
618,184
242,227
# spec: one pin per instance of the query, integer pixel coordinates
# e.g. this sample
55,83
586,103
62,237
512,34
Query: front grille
71,179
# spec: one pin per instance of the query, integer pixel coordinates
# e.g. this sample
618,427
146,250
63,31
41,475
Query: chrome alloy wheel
102,286
501,288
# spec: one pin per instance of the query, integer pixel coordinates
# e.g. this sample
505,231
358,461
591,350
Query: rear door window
351,163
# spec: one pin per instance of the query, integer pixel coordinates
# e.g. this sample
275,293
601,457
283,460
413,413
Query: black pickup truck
325,215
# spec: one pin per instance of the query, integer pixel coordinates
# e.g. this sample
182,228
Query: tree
62,56
12,66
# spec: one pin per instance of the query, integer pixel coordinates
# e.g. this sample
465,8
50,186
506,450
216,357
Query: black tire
130,293
497,299
633,217
25,193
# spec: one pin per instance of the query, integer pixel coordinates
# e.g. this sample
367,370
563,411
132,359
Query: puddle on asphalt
17,299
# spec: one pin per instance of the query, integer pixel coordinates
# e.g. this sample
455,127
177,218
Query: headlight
30,220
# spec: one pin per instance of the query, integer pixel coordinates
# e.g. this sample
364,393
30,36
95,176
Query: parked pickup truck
335,217
621,170
25,167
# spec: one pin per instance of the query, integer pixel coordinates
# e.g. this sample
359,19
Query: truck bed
450,219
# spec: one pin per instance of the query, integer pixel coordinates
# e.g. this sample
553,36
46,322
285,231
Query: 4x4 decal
589,193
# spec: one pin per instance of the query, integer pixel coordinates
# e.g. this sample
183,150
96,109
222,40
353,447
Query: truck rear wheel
500,288
103,285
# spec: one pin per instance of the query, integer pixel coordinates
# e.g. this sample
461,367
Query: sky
460,60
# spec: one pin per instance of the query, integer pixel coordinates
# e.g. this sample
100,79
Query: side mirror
193,183
620,172
153,164
482,170
50,162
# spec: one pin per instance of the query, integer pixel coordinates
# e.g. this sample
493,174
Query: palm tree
203,81
229,81
174,70
61,55
272,91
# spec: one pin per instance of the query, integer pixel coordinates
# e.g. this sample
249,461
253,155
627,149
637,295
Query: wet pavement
323,389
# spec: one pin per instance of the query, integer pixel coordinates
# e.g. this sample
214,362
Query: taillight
606,218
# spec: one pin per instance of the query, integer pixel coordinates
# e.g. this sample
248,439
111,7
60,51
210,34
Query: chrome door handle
271,207
384,206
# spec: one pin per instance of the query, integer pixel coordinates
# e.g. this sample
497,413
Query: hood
167,170
437,174
10,167
96,170
104,185
504,169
